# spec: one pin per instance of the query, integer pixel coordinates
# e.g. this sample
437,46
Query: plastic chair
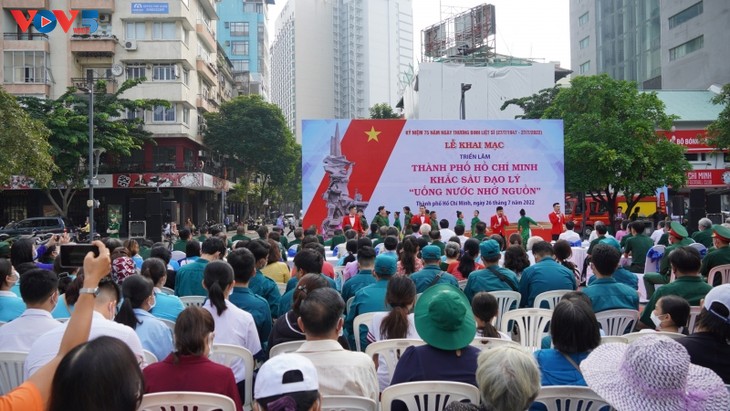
652,265
348,403
195,300
170,324
532,322
285,347
11,370
634,336
390,351
616,322
362,319
485,343
570,398
721,270
349,304
551,297
178,255
149,357
428,395
167,290
607,339
228,355
505,300
282,288
462,284
185,400
692,323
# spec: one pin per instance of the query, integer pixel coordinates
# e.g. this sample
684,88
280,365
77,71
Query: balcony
28,89
26,41
206,70
93,45
25,4
209,7
204,103
206,34
82,83
101,5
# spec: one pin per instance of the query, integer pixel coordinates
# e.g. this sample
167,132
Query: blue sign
150,8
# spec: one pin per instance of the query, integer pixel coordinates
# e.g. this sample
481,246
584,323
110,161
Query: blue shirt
547,275
486,280
258,307
368,299
363,278
267,288
425,277
623,276
189,279
168,307
608,294
61,310
156,337
11,307
556,370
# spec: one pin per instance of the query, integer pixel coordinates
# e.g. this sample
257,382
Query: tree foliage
24,141
611,143
718,132
68,119
383,110
535,105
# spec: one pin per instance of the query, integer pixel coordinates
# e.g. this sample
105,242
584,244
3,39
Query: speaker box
154,204
137,208
677,205
697,198
712,204
154,228
694,217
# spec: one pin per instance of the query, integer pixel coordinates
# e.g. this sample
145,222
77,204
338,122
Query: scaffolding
467,37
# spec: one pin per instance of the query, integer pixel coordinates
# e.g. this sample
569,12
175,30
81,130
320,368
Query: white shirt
21,333
463,239
570,236
446,233
341,372
657,235
236,327
47,345
374,335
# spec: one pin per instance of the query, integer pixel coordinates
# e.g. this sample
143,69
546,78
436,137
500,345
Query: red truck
596,212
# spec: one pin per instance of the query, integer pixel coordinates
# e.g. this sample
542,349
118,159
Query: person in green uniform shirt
685,263
459,218
605,292
678,237
203,235
407,217
182,243
240,234
637,247
381,219
113,229
704,235
480,231
433,220
523,226
396,221
337,239
721,254
474,222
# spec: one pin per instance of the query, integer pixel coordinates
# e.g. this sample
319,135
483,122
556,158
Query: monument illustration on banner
337,195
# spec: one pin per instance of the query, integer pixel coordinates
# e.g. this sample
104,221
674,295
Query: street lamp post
90,204
464,88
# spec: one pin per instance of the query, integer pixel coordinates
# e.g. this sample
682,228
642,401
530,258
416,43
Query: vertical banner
662,194
446,166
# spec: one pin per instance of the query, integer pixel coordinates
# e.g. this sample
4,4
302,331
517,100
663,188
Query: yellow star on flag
372,134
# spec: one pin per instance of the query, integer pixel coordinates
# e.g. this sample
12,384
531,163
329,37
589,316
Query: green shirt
625,239
720,256
239,237
459,221
381,220
664,266
180,245
407,223
523,225
703,237
638,246
396,224
474,222
202,238
691,288
189,279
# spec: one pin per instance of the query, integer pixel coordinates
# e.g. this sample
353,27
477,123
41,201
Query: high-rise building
243,32
337,58
678,44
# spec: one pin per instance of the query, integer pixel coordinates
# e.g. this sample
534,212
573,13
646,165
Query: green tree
24,141
383,110
535,105
255,134
718,132
611,143
68,119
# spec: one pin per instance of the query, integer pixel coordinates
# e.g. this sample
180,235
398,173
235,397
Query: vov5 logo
46,20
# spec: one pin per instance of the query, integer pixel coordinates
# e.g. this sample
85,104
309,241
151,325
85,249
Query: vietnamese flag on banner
368,144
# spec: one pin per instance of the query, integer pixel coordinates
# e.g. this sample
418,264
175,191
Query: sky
537,29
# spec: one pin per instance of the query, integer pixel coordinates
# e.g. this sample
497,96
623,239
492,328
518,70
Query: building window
134,114
164,72
584,68
686,48
186,77
135,71
186,116
696,157
164,114
583,19
239,28
164,31
584,43
186,36
685,15
239,47
25,67
240,65
135,31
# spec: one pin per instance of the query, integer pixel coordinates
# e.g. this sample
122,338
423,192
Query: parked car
38,225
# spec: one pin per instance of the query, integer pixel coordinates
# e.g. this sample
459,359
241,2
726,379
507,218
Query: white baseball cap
720,295
299,370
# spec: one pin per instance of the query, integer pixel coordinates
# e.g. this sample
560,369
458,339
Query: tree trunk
66,195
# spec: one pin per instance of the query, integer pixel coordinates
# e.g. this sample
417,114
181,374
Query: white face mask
656,320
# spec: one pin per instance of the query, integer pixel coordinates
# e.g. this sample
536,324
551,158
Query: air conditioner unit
105,18
176,71
227,24
228,43
130,45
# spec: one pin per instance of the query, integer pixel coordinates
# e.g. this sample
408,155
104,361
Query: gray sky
525,28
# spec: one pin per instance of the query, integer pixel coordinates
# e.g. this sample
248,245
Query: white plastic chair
178,255
634,336
551,297
505,300
616,322
348,403
170,324
185,400
532,322
485,343
721,270
362,319
428,395
193,300
285,347
607,339
11,370
653,266
570,398
390,351
349,304
228,354
149,357
167,290
700,248
282,288
692,323
462,284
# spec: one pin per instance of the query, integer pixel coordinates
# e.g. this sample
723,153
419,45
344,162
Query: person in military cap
678,237
721,254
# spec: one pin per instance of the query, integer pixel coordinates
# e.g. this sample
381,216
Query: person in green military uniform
678,237
113,229
480,231
459,218
203,235
474,222
523,226
182,243
337,239
721,254
435,236
407,217
637,246
396,221
433,220
704,235
381,219
240,234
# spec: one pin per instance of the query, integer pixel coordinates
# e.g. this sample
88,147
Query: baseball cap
489,249
300,373
720,295
431,252
385,264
